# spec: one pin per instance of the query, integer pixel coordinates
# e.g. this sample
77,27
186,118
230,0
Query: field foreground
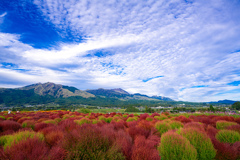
56,135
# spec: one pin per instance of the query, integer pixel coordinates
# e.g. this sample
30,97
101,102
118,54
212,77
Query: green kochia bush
224,124
82,121
228,136
102,118
162,127
176,147
200,140
9,140
130,119
175,124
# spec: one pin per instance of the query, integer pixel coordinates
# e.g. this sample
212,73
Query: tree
236,105
148,110
211,108
132,109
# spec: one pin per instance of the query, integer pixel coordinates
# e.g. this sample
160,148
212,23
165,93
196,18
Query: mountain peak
56,90
120,90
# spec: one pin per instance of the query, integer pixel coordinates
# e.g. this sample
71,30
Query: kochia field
60,135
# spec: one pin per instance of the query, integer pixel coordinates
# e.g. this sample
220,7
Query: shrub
149,118
175,124
9,125
145,125
222,124
82,121
234,128
119,125
53,138
50,121
136,131
109,119
142,151
40,126
143,116
228,136
161,117
102,118
29,149
205,120
2,154
10,118
67,125
155,114
113,153
183,119
174,147
87,142
124,141
225,151
130,119
165,113
9,140
2,117
201,142
94,121
57,153
195,125
211,131
162,127
28,124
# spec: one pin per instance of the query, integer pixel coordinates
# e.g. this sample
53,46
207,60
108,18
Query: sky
187,50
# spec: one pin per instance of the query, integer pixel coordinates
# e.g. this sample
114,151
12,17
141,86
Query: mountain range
41,93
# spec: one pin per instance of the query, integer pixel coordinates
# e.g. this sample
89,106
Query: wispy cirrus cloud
128,43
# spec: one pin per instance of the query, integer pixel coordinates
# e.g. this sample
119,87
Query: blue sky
183,49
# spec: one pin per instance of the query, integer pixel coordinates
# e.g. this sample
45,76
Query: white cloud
189,44
3,15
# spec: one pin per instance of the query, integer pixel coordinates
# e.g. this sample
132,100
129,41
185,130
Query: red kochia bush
183,119
40,126
225,118
9,125
136,131
155,114
119,125
145,125
67,125
203,119
57,153
88,142
29,149
54,137
143,116
124,141
234,128
195,125
142,150
237,120
225,151
2,154
211,131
